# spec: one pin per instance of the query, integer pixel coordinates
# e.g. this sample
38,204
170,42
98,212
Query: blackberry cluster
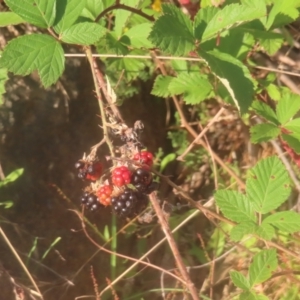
88,170
90,201
129,203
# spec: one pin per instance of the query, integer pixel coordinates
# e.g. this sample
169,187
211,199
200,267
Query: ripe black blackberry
141,179
90,201
129,203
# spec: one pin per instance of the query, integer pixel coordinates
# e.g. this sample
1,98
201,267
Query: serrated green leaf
138,34
274,92
250,295
194,87
287,106
268,185
263,132
3,78
292,142
13,176
201,20
265,111
161,84
10,18
239,280
264,263
233,15
234,76
114,45
235,206
173,32
85,33
293,127
242,229
265,231
270,42
287,8
180,66
95,7
287,221
67,13
37,12
39,52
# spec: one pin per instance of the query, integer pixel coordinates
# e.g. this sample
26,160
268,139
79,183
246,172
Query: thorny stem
124,7
99,97
166,229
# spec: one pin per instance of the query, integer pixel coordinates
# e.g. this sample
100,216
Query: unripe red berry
144,157
121,176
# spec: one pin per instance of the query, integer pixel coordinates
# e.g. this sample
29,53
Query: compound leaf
287,107
268,185
10,18
67,13
263,132
287,221
239,280
161,85
194,87
264,263
173,32
235,206
37,12
39,52
234,76
85,33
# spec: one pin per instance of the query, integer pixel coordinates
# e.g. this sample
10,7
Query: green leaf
173,32
85,33
166,160
264,263
242,229
51,246
294,128
138,34
95,7
287,221
273,91
112,45
239,280
3,78
10,18
270,41
13,176
287,107
194,87
265,111
250,295
265,231
234,76
7,204
287,8
268,185
39,52
235,206
292,142
161,84
37,12
67,13
233,15
263,132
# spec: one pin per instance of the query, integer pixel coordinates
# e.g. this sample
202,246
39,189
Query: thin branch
124,7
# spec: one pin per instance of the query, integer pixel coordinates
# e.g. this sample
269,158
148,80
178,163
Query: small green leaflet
138,34
235,206
85,33
265,231
239,280
194,87
263,132
292,142
3,78
67,13
268,185
234,76
13,176
265,111
287,221
287,107
10,18
250,295
39,52
37,12
294,128
234,14
161,86
274,92
242,229
173,32
264,263
94,7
